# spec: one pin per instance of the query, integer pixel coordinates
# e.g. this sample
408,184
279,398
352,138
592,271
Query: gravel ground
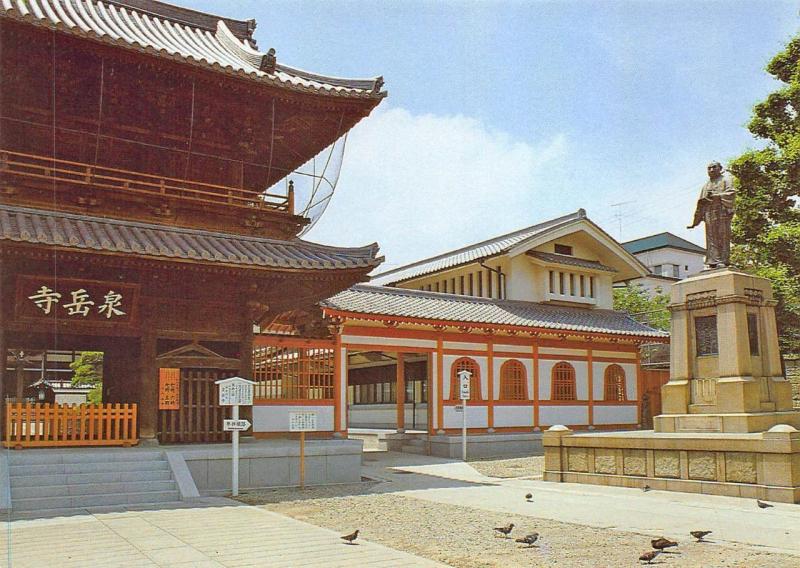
515,467
462,537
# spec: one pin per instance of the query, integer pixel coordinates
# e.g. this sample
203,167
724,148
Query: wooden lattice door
199,416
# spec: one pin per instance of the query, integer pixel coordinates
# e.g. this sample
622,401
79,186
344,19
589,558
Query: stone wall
793,374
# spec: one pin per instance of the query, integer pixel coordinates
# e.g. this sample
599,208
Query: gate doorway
189,409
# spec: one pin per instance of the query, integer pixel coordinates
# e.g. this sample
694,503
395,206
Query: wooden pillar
535,384
148,386
3,346
400,393
339,385
590,380
439,402
246,368
490,380
430,385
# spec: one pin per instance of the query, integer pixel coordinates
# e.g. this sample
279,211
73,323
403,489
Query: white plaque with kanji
302,421
235,391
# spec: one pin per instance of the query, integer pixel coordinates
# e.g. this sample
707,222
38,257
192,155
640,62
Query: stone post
554,457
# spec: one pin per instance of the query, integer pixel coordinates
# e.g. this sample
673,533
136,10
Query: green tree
766,228
87,369
639,304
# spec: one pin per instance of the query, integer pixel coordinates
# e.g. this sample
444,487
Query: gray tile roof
661,240
569,260
398,302
81,232
169,31
472,253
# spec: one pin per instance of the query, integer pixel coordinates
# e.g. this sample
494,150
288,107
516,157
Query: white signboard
235,391
464,377
302,421
235,425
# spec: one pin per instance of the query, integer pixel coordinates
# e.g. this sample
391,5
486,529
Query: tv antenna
618,214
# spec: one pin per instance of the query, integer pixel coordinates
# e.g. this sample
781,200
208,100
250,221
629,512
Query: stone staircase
61,482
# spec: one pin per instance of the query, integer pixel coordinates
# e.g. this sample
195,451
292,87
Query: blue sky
503,114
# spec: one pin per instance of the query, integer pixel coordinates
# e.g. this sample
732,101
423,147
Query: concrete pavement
222,536
656,513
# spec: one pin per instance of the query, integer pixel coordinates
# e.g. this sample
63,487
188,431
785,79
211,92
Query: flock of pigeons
659,545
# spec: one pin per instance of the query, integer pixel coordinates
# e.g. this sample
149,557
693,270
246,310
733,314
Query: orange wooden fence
33,425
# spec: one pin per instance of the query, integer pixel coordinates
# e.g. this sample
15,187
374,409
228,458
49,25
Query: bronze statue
715,208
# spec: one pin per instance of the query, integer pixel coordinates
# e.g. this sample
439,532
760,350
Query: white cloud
424,184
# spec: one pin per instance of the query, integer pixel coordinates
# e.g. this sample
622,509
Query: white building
668,257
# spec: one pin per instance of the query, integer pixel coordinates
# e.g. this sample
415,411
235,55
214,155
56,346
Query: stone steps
52,482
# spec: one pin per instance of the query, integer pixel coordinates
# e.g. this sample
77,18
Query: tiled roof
661,240
169,31
398,302
569,260
67,230
471,253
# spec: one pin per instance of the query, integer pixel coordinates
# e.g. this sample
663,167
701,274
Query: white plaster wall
482,365
565,415
466,346
581,378
522,349
275,418
527,363
598,372
616,414
396,341
509,416
603,291
477,417
526,281
670,255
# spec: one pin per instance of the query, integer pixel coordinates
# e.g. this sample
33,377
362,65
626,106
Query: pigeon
506,530
350,538
700,535
662,543
529,539
650,556
762,505
646,488
529,497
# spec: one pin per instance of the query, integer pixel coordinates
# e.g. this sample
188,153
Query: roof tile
398,302
57,228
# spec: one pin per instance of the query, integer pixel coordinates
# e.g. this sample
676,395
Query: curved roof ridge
190,37
579,214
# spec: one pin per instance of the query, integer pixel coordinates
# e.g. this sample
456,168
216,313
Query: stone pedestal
727,425
725,367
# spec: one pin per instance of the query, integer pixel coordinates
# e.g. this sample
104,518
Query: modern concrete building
668,258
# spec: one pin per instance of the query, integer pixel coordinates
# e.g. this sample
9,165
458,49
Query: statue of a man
715,209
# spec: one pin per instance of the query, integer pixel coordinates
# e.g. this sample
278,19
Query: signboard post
233,392
464,392
302,421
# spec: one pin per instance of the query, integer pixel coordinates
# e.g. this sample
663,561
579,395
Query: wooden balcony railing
35,425
136,183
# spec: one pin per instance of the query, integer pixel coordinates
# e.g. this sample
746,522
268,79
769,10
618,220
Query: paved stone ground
223,536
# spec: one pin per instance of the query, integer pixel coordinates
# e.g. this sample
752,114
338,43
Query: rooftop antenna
618,214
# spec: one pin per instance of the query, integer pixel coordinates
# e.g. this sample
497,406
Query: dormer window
563,249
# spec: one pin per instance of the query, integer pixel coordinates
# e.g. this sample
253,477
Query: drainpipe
502,278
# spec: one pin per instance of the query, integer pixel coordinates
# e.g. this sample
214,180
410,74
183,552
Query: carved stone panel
667,463
577,459
740,467
703,466
605,461
634,462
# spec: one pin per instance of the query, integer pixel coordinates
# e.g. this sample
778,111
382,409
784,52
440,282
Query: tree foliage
766,228
639,304
87,369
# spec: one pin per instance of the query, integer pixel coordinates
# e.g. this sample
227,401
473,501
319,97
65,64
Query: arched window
614,383
563,382
513,381
466,364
